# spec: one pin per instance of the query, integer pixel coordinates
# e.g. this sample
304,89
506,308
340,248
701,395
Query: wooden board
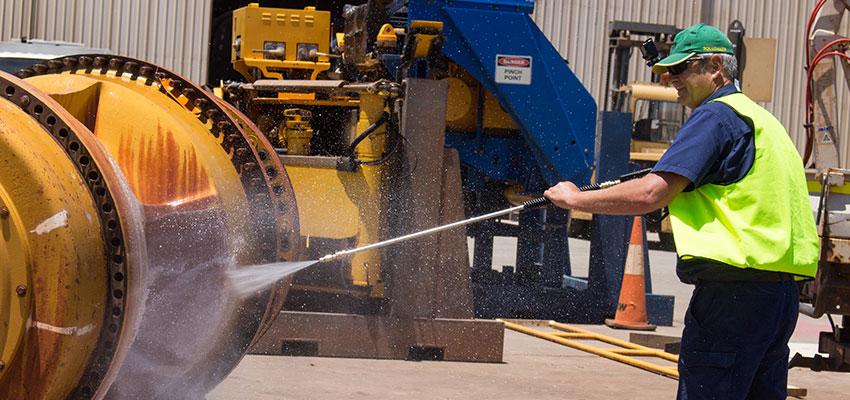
759,67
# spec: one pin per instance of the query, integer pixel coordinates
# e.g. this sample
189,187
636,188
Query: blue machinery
500,46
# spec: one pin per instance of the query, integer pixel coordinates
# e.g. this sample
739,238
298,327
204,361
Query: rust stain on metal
160,170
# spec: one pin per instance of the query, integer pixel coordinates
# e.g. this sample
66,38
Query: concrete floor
532,368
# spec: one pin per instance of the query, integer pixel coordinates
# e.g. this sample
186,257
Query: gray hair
730,63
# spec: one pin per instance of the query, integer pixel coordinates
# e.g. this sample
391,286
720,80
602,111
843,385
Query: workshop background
576,28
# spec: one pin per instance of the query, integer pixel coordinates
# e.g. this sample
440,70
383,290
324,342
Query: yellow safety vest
764,221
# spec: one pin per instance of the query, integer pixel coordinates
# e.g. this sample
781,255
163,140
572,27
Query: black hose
395,146
366,132
538,202
542,201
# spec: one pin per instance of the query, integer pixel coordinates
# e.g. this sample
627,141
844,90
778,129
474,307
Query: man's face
695,83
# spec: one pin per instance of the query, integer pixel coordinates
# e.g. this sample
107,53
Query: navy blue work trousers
735,341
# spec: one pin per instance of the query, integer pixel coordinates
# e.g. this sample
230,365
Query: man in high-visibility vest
744,231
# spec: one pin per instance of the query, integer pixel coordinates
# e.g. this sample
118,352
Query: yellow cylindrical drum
72,230
199,192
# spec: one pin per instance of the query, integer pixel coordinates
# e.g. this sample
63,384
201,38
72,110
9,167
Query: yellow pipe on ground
614,341
670,372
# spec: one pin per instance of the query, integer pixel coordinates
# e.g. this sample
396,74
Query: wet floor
532,368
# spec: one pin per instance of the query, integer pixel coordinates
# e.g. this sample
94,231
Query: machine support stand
556,250
529,253
427,311
482,256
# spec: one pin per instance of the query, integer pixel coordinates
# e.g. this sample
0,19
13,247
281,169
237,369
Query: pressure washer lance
530,204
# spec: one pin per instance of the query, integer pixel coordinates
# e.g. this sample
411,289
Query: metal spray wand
530,204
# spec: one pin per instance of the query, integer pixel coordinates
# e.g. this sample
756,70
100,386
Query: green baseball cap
696,39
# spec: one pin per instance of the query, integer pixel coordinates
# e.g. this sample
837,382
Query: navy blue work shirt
715,146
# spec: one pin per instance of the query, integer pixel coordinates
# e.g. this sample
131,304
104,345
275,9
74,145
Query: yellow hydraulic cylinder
297,132
371,110
366,266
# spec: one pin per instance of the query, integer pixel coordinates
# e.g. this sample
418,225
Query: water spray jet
247,280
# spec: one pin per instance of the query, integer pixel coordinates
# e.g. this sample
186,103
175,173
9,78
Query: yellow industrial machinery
467,98
280,43
69,240
348,195
296,133
126,193
336,118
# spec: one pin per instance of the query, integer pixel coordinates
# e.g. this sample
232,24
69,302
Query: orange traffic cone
631,308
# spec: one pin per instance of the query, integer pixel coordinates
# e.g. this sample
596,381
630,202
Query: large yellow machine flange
126,194
60,252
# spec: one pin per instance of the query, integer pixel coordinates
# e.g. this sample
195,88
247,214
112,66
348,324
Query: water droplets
245,281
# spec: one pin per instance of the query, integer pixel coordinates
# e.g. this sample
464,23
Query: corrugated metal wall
787,24
171,33
578,29
175,34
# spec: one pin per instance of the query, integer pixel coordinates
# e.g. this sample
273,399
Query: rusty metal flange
111,232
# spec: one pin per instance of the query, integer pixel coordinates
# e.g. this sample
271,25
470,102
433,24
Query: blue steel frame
555,113
557,119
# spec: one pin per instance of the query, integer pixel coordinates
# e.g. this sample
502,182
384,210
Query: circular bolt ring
94,373
222,125
54,65
4,212
174,84
70,62
2,365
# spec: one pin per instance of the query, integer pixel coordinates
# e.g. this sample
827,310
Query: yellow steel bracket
425,32
627,352
387,37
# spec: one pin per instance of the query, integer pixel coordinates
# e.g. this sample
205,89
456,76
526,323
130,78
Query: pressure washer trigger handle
535,203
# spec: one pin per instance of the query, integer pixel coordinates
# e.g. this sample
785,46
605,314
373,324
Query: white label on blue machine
514,70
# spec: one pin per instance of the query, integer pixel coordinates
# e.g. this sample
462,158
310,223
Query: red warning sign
514,70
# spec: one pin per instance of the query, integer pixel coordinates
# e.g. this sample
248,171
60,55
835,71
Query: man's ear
716,67
716,63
